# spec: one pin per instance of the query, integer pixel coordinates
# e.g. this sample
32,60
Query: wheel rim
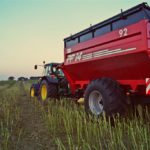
32,92
95,102
44,92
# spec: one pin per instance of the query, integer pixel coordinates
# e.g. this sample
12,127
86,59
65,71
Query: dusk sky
33,30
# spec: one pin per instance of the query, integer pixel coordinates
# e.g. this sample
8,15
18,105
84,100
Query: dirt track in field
35,134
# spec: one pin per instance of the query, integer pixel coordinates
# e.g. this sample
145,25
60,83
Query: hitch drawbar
147,86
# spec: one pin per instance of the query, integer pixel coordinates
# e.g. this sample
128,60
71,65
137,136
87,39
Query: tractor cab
52,70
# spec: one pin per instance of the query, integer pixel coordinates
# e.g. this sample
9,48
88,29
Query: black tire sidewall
51,91
90,89
113,97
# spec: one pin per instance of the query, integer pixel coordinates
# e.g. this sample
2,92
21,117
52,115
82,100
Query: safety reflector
147,86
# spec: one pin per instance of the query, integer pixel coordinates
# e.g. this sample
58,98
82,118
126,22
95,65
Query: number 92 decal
123,32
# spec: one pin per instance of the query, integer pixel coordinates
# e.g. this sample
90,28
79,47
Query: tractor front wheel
34,90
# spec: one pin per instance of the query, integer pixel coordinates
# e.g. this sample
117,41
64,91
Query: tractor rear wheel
47,90
105,95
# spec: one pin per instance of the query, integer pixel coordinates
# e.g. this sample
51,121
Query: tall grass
6,84
70,128
67,125
10,130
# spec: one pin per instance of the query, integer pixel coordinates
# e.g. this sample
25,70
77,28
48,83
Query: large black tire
51,91
111,98
34,90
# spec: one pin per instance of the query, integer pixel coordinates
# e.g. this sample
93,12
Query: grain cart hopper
107,62
110,60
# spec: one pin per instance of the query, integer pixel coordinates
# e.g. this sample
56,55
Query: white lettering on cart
76,57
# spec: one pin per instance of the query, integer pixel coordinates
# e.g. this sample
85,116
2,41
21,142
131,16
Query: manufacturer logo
74,57
97,54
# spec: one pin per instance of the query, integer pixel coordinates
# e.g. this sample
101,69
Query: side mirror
35,67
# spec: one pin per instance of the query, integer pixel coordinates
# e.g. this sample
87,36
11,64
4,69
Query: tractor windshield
47,71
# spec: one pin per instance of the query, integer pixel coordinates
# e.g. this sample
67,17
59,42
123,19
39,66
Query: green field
27,125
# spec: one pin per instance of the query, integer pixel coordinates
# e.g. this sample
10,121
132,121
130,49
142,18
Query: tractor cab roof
52,64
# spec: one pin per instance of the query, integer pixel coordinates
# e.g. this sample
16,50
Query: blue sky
33,30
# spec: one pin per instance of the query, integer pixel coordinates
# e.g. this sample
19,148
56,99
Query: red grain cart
109,61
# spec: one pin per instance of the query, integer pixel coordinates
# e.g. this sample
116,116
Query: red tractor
110,61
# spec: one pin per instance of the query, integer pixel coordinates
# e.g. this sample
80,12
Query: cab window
47,71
